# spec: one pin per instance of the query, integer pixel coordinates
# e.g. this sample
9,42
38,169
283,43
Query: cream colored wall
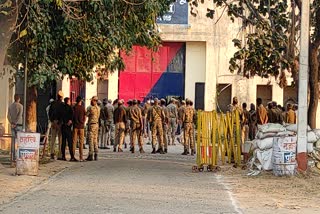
7,93
91,90
195,67
113,85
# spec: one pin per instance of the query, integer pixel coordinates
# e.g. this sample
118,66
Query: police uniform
136,126
155,117
188,119
165,123
181,111
173,116
110,124
93,114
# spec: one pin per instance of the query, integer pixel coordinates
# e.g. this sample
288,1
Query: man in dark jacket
67,130
55,115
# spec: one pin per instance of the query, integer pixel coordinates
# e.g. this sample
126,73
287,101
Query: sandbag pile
263,144
313,136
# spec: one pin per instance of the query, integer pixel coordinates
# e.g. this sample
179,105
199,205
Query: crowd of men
260,115
108,122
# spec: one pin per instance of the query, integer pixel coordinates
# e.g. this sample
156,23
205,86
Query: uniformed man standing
120,120
173,116
103,125
188,123
110,123
165,123
181,112
155,117
93,114
136,128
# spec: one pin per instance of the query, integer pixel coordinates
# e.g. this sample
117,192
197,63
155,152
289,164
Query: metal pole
303,86
25,93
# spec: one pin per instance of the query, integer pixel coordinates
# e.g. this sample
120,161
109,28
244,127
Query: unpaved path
127,184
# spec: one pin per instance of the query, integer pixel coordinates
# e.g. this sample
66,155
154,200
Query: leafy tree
270,46
60,37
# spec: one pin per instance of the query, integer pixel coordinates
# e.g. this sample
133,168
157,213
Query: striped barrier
218,138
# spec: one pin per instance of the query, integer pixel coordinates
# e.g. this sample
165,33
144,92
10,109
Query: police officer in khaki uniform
93,114
188,123
155,117
173,117
181,111
136,123
165,124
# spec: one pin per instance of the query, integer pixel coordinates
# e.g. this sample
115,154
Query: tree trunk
31,115
313,87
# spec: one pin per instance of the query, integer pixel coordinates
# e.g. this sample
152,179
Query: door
224,93
199,96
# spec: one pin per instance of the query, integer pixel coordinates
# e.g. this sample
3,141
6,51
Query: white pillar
303,86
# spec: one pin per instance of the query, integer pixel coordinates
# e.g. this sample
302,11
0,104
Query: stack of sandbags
312,135
263,144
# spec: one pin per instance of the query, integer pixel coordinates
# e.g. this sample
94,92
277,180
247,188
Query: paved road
126,183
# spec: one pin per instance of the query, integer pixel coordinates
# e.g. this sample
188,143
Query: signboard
177,14
27,153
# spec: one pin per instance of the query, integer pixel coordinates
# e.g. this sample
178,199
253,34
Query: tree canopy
270,47
60,37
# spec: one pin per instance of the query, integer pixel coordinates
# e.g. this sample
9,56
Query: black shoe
141,150
125,145
185,152
153,151
62,159
95,156
161,152
192,152
73,160
89,158
132,150
107,147
165,150
52,156
158,151
114,149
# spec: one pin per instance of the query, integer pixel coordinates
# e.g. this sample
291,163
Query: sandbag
266,143
318,144
294,127
261,135
312,137
271,127
310,147
265,158
317,132
285,134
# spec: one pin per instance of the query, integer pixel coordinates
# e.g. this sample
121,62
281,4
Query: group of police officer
154,119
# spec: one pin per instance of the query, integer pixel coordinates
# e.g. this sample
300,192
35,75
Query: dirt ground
266,193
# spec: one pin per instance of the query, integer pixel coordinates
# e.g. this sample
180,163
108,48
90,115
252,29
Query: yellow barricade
218,137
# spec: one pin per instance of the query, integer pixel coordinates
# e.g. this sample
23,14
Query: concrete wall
91,90
7,93
195,67
113,85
